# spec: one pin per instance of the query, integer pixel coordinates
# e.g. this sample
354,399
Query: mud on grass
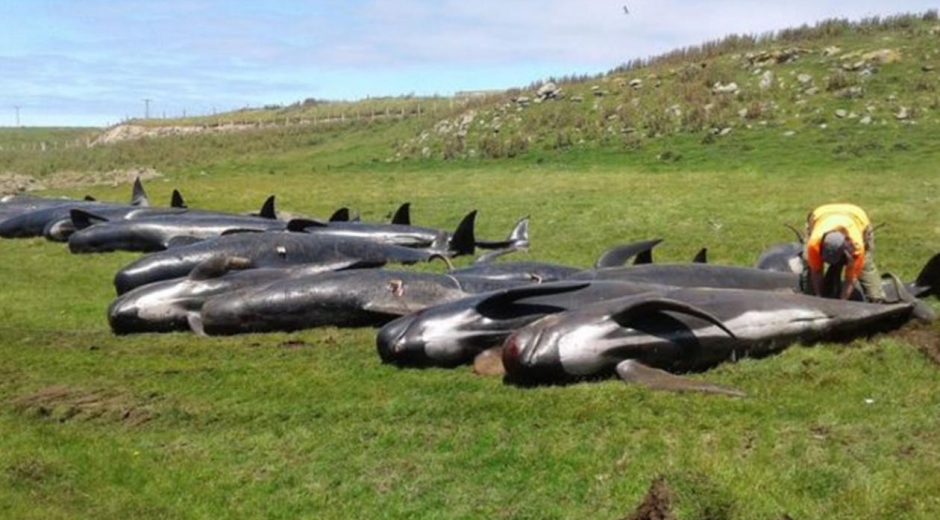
657,504
62,403
924,336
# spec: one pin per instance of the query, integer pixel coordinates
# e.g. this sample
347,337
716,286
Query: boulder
766,80
548,91
730,88
882,56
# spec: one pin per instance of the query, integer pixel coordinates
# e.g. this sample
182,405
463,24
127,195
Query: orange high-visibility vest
851,220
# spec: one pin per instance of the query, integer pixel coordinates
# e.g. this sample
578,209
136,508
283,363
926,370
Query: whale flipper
632,371
637,310
195,324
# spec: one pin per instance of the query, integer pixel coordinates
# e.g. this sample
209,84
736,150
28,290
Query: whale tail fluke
518,238
928,281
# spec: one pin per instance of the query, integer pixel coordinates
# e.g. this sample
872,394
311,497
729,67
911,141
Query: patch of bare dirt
11,183
656,505
63,403
293,343
31,470
132,132
16,183
924,336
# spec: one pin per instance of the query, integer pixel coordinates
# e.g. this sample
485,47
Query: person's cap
833,247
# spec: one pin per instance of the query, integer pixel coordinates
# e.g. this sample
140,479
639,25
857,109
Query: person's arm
852,271
816,281
848,286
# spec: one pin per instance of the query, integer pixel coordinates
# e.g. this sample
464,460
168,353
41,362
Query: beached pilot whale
649,338
160,230
454,333
461,242
272,249
34,223
361,297
485,266
171,305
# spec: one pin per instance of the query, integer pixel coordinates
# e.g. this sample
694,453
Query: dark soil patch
924,336
293,343
63,403
656,505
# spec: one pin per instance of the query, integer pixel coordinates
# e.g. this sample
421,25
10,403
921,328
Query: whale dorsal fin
463,242
340,215
138,195
176,200
642,252
267,209
402,215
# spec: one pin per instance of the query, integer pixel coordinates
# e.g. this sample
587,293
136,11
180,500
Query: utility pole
17,107
146,108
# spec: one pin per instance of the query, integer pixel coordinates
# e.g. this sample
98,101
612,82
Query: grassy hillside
861,95
312,425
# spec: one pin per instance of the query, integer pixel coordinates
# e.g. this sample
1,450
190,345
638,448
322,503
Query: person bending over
841,234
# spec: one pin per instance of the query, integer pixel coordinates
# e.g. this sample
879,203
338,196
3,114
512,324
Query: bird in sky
625,10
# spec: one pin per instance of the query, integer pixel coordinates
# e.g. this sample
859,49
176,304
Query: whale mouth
124,318
525,367
392,343
511,361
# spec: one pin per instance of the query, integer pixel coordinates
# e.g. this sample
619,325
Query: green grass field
313,425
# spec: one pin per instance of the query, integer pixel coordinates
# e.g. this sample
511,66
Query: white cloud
209,52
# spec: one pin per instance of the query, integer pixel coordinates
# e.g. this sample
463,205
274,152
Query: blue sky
93,62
